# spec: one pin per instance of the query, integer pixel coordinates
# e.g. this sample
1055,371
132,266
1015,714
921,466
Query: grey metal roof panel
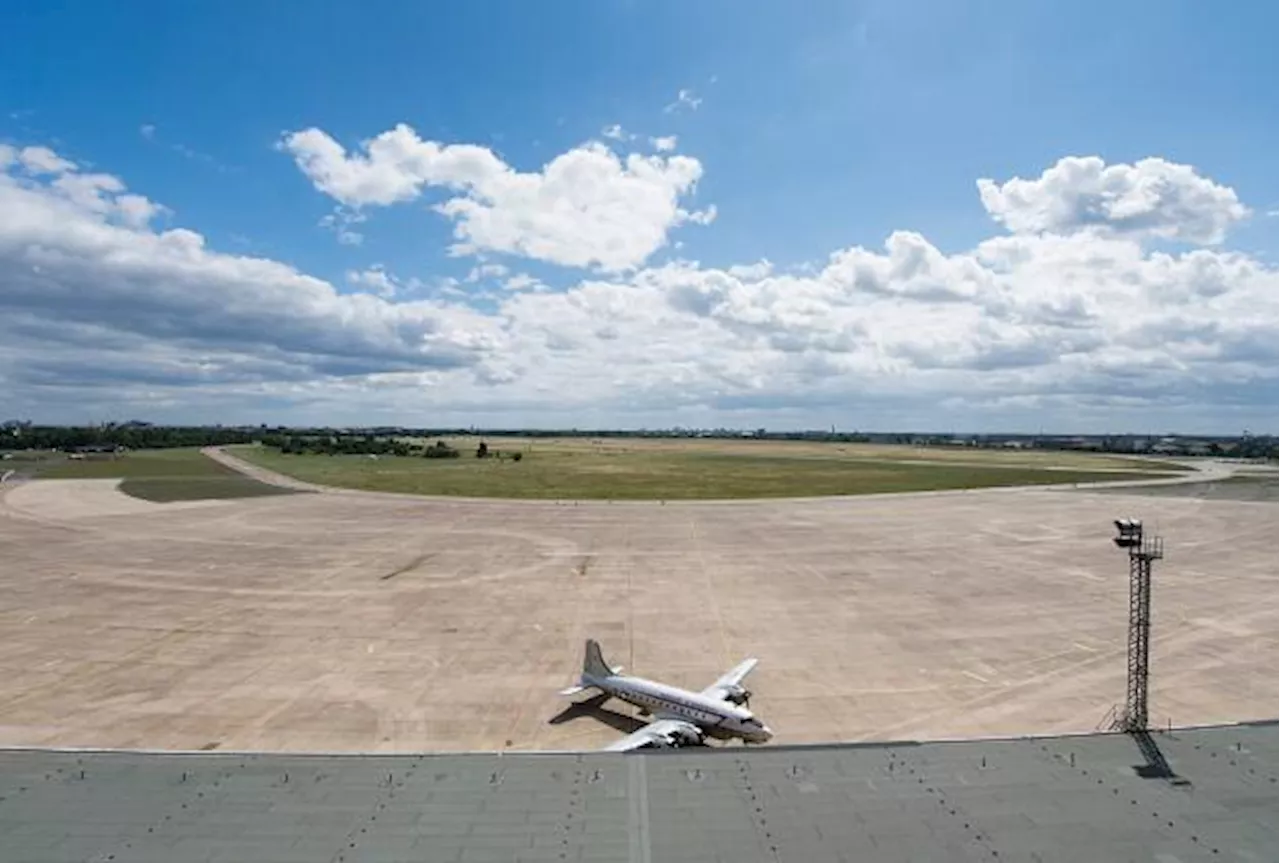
1063,798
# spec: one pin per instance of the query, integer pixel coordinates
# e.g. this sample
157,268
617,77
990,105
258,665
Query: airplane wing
729,685
661,733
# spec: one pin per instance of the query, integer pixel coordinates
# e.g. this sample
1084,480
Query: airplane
681,717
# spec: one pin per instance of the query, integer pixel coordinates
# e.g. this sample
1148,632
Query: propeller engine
684,737
738,695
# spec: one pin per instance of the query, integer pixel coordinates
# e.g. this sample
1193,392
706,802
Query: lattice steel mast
1142,551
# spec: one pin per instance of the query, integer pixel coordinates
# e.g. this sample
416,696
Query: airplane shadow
594,708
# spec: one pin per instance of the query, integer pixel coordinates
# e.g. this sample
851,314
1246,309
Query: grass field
683,470
155,475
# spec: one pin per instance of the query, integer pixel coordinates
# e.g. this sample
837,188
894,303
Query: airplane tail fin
593,666
593,663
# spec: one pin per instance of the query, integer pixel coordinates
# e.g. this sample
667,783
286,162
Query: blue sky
814,132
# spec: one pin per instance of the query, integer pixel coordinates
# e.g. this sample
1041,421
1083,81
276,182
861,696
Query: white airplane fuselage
717,718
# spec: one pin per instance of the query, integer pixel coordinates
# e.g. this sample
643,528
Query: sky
925,216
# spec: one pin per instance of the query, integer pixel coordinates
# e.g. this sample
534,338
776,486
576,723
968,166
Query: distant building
98,449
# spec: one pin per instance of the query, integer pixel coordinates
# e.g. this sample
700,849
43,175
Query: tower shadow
1156,766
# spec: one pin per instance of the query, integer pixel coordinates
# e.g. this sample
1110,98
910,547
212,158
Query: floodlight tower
1142,551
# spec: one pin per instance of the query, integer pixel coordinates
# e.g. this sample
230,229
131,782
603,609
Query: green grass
26,462
155,475
143,463
826,450
644,471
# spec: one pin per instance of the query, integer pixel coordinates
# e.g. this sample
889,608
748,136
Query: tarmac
360,622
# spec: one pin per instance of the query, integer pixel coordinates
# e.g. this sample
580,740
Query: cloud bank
88,287
1074,313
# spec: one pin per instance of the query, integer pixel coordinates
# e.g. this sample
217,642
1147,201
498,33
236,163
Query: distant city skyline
913,216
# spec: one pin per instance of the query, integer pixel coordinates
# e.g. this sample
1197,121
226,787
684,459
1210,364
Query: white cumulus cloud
42,160
394,166
137,211
698,217
523,282
585,208
753,272
664,144
341,222
375,279
99,193
685,99
1151,197
486,271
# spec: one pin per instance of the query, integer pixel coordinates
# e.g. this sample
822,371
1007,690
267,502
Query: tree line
21,436
290,444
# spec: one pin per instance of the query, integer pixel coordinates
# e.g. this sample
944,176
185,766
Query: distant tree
440,449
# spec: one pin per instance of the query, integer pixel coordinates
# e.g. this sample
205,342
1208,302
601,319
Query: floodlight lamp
1129,532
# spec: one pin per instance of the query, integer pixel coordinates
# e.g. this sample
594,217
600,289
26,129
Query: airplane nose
766,732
